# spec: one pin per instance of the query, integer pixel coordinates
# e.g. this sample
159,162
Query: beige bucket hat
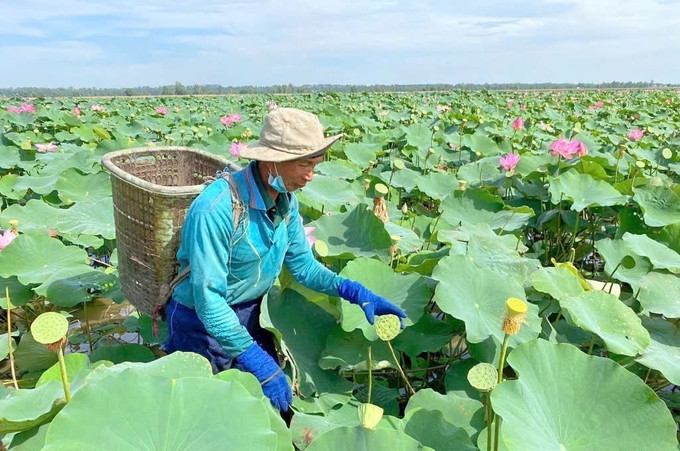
288,134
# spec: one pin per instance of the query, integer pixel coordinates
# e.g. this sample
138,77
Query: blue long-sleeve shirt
230,266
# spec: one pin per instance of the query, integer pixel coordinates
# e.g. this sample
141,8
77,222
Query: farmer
215,312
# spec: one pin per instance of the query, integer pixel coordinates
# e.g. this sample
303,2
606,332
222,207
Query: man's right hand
274,383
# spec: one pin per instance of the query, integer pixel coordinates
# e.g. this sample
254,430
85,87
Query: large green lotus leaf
30,440
349,350
474,206
284,437
24,409
7,190
306,428
584,191
558,282
384,397
663,352
78,158
456,381
172,366
38,184
491,251
75,187
660,205
423,262
358,438
460,411
613,252
565,399
331,193
660,293
613,321
33,257
437,185
321,404
305,340
429,334
481,143
33,356
74,362
19,293
659,254
408,242
361,153
357,233
165,416
36,214
339,168
123,353
71,286
89,217
5,343
9,156
409,291
402,178
481,172
431,429
477,296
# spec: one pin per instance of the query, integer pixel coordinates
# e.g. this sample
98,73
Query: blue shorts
187,333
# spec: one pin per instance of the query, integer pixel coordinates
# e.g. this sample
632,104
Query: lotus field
532,238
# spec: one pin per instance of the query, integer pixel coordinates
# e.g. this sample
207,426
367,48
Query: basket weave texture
153,188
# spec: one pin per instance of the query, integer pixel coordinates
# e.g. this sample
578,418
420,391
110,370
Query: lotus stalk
484,378
515,314
50,329
379,203
9,338
387,327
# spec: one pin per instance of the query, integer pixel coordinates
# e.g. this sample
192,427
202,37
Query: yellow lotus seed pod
515,312
370,415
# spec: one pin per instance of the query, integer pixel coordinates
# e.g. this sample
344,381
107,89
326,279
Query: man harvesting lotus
215,312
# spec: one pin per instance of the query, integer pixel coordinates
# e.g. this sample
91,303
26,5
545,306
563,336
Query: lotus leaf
429,334
584,191
329,193
660,255
431,429
74,187
358,438
477,296
33,356
660,293
74,364
24,409
89,217
123,353
613,252
19,294
165,415
30,440
437,185
663,352
660,205
460,411
36,214
565,399
349,350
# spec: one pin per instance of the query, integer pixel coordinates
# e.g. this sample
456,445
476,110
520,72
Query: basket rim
153,187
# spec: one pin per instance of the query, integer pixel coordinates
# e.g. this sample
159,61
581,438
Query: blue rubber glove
372,304
274,383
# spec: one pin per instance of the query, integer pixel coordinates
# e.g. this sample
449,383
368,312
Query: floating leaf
584,191
561,393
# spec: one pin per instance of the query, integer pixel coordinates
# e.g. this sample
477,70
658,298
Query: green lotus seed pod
640,164
483,377
399,164
387,327
380,189
667,153
49,328
628,262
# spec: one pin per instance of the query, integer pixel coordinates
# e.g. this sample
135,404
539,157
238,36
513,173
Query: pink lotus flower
51,147
97,108
636,135
162,110
308,233
230,120
443,108
271,105
24,108
77,111
518,124
509,161
454,147
568,148
236,148
7,237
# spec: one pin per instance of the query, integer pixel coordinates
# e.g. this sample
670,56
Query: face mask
277,182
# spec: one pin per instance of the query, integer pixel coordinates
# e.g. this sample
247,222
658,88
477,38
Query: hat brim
261,152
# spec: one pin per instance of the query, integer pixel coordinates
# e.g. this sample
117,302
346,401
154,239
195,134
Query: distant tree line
180,89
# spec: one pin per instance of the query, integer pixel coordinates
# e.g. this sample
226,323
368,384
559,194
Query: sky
88,43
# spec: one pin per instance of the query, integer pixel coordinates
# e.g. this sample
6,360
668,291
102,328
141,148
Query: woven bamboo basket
153,188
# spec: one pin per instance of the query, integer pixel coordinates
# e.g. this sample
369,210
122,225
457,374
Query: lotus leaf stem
501,365
401,371
9,339
489,419
370,375
64,375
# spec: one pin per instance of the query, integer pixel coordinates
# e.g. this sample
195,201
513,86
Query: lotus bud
430,151
404,208
461,185
14,226
515,312
393,249
367,184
